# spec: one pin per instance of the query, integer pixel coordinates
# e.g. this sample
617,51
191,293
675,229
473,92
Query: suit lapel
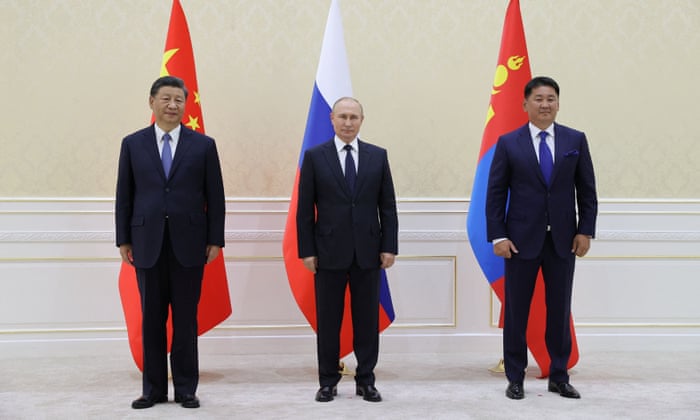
331,155
365,158
560,147
527,149
183,143
150,146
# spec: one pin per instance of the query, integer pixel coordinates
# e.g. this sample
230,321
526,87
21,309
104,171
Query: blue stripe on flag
490,264
318,124
385,296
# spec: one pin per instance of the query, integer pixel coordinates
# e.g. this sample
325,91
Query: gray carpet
83,385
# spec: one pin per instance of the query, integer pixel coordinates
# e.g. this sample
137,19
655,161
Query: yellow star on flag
166,57
193,122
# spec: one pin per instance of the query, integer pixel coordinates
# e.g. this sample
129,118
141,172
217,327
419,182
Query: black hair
168,81
541,81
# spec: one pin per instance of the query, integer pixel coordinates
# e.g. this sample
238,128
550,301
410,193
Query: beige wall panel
654,291
75,76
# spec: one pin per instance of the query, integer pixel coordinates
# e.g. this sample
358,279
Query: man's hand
212,252
582,243
505,248
126,253
311,263
387,259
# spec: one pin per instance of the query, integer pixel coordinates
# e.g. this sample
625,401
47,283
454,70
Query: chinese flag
215,303
332,83
505,114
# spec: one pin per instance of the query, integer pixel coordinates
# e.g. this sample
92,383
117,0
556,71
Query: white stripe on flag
333,75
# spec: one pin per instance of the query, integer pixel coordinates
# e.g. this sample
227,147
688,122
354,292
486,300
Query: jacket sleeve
216,199
497,194
586,196
306,209
124,196
387,212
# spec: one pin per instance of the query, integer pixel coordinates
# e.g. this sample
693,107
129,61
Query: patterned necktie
350,172
546,163
167,155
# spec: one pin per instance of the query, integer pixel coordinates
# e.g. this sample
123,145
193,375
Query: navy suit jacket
192,198
334,224
519,204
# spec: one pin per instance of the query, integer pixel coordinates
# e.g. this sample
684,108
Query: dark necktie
546,163
166,155
350,174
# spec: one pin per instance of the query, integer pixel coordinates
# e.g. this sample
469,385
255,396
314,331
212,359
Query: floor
97,380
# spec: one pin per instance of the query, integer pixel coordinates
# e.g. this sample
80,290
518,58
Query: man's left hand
212,252
581,245
387,259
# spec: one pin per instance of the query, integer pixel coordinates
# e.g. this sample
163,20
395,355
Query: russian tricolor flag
332,83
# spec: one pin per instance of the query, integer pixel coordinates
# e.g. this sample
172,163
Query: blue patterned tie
546,163
167,155
350,174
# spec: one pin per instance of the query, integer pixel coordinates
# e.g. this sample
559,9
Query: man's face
542,106
168,106
347,118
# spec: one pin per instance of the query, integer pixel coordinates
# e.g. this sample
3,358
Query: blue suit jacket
192,198
334,224
519,203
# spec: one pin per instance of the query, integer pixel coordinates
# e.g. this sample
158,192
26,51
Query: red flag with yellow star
505,114
214,303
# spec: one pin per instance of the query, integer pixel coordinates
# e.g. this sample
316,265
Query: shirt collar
174,133
339,144
535,132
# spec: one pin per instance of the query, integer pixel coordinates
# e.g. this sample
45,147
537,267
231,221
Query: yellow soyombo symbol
513,63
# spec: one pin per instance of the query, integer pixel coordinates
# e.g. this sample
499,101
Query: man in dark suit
347,231
540,175
170,210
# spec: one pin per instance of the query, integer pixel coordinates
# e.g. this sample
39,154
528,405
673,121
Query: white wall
59,270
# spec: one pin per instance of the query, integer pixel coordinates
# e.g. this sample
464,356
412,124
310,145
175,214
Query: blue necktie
546,163
350,173
166,155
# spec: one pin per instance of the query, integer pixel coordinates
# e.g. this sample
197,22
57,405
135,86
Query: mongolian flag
214,303
332,83
505,114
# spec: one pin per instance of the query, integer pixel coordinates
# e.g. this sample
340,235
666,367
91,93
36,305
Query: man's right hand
505,248
311,263
126,253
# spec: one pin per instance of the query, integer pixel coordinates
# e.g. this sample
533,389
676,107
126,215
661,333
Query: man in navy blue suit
347,230
541,174
170,210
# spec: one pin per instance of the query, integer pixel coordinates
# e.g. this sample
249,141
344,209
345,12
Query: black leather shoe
515,391
148,402
187,401
326,393
368,393
564,389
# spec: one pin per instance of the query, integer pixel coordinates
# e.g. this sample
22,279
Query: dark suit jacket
334,225
519,203
192,198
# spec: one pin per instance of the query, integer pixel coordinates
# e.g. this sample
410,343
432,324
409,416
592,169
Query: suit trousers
169,285
520,277
330,287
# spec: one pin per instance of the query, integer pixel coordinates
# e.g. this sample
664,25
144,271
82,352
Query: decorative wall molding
639,277
277,235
